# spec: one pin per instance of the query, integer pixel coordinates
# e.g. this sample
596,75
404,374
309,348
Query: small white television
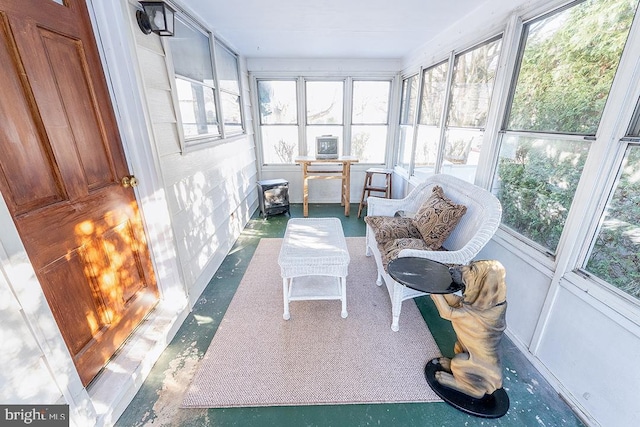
326,147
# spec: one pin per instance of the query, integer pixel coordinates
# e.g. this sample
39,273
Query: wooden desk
310,172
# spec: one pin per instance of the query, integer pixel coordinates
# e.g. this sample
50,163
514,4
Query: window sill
204,143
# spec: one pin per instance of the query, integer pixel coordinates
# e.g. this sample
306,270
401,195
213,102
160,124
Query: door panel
60,174
69,71
23,150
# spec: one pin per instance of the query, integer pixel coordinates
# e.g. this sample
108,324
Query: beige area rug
258,359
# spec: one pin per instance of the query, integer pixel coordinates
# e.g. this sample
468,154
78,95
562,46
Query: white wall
211,192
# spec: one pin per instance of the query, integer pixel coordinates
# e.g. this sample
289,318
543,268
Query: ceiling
329,28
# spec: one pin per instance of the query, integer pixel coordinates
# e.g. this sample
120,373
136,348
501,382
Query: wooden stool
369,187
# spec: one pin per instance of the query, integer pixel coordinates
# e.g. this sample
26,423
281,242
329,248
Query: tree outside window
567,67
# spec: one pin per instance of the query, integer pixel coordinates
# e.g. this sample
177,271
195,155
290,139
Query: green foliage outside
616,254
564,80
538,185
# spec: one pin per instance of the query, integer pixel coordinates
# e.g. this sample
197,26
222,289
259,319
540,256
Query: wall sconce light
156,16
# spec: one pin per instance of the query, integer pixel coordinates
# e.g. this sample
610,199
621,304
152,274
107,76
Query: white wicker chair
472,233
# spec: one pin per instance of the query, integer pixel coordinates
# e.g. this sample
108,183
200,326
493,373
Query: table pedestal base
490,406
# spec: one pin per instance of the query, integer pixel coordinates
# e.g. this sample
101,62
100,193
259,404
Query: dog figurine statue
478,319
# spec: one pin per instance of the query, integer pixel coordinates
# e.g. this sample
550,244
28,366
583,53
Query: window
229,80
206,114
568,61
408,107
278,105
354,110
434,89
325,106
473,78
453,112
370,120
615,253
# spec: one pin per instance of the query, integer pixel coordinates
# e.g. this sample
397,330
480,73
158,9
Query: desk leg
342,182
305,191
346,182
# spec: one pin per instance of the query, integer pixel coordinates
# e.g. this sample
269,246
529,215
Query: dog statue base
492,405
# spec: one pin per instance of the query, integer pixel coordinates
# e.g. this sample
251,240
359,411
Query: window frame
451,60
190,144
305,146
546,255
226,130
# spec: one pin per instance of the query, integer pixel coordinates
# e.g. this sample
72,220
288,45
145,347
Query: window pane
568,65
615,255
369,143
191,53
231,111
427,146
197,109
462,152
536,182
370,102
227,69
314,131
473,77
406,140
434,89
409,100
324,103
278,102
279,144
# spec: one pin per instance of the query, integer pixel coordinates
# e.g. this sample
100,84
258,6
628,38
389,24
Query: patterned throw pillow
437,217
389,228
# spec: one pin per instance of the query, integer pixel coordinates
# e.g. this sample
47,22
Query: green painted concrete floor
533,401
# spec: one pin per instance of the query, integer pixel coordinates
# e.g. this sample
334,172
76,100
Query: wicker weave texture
314,246
472,233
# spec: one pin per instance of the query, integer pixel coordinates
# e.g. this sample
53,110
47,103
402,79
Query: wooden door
61,165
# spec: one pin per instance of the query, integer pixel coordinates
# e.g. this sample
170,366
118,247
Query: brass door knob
129,181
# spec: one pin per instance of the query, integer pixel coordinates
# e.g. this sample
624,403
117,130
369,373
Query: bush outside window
565,73
615,252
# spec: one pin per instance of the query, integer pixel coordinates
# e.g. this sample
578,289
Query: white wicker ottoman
314,261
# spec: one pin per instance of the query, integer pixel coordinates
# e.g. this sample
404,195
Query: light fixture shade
159,18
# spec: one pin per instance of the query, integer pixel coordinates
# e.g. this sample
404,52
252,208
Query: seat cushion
392,248
388,228
437,218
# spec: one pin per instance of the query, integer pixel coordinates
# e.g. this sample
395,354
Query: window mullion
347,112
416,120
302,116
216,89
445,113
